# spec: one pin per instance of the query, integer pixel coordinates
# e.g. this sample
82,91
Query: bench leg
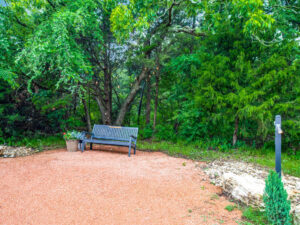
129,150
134,148
79,144
82,146
91,146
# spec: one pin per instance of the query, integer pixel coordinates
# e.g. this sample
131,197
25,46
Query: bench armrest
134,137
84,133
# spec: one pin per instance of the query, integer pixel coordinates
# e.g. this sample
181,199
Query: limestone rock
298,186
246,182
11,152
297,214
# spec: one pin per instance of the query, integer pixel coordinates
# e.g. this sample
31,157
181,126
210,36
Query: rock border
245,182
12,152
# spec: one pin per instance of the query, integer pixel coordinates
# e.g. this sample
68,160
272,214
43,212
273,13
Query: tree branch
188,30
170,12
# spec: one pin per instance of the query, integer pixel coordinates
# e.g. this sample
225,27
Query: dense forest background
177,69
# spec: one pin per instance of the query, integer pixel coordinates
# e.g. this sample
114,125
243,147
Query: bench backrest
114,132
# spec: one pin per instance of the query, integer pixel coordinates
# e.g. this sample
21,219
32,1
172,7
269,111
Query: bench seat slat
111,138
105,142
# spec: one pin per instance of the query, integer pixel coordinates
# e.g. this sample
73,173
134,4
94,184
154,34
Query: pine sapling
276,202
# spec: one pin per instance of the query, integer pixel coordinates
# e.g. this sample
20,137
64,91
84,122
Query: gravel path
98,187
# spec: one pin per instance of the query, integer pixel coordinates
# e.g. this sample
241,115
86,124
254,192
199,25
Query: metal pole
278,133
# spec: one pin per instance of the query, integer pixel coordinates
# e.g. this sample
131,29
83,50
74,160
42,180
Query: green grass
40,143
254,216
200,151
230,208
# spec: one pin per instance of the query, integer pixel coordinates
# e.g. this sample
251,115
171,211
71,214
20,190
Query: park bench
111,135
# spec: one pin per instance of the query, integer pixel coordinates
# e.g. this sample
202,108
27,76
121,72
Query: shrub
165,132
147,132
275,199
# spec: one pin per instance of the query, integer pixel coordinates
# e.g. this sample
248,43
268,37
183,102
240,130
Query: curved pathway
100,187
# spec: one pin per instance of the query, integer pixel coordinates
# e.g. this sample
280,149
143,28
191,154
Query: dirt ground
100,187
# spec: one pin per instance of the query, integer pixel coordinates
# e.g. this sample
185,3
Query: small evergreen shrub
276,202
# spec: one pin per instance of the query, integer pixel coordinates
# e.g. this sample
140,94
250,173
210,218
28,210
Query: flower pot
72,145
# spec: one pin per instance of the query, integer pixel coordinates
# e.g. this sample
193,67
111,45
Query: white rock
246,182
10,152
298,186
244,188
297,214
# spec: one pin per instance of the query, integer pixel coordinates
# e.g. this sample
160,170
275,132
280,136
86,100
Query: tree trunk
74,103
130,97
156,97
87,116
101,107
107,99
148,100
236,127
104,99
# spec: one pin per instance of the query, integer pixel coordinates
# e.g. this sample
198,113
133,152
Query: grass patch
41,142
200,151
254,216
230,208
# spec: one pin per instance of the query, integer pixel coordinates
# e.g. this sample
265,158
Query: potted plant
71,138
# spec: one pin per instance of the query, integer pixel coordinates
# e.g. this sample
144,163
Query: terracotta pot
72,145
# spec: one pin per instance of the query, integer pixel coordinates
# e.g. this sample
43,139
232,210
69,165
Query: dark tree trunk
101,107
148,99
130,97
236,127
107,99
74,103
156,97
87,116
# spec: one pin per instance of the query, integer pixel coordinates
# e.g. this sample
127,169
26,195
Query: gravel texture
100,187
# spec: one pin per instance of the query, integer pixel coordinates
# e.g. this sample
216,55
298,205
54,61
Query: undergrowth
40,142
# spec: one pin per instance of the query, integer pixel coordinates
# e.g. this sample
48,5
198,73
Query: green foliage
164,132
38,141
71,135
52,48
230,208
275,199
146,132
237,70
